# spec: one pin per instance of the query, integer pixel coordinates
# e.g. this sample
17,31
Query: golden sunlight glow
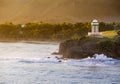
19,11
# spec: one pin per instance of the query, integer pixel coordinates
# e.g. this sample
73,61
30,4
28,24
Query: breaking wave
97,60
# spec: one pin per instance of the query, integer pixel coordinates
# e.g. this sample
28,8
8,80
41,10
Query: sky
52,11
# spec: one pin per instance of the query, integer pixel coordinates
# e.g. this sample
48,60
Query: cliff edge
88,46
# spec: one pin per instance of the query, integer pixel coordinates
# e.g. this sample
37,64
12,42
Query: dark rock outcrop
86,47
117,48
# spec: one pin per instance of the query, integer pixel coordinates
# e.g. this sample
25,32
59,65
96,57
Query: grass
109,34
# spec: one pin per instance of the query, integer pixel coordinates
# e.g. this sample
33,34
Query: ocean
31,63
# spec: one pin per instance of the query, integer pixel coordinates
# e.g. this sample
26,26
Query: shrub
107,45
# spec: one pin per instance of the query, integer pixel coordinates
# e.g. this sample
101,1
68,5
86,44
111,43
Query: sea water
29,63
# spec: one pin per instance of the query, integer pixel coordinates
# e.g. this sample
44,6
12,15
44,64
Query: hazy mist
22,11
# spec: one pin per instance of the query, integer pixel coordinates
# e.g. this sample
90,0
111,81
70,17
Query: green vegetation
45,31
107,45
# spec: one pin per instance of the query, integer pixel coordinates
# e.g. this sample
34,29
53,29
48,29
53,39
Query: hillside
22,11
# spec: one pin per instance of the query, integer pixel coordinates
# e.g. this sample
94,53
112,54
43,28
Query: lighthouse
95,29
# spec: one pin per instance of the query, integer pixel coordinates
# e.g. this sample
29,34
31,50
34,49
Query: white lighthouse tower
95,29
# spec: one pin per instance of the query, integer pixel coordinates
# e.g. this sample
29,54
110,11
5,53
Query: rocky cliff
88,46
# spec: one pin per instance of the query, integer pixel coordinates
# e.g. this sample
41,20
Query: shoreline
30,41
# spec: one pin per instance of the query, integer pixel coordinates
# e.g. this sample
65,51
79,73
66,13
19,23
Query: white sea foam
96,60
101,57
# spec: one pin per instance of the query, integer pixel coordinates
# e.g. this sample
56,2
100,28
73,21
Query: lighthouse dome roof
95,22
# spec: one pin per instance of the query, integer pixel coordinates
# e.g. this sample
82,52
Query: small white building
95,30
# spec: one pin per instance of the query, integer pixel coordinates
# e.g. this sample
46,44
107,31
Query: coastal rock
117,48
78,48
86,47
